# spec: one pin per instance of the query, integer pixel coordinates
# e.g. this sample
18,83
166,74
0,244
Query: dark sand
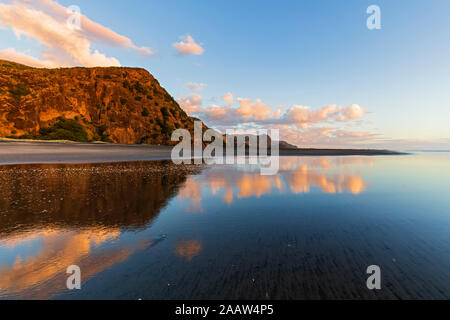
55,152
19,152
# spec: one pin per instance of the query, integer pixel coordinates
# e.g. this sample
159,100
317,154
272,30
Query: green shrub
27,137
174,112
143,139
64,129
20,91
145,112
165,112
101,131
160,122
106,139
123,101
139,88
166,128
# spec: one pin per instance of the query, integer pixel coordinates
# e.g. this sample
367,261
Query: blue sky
285,53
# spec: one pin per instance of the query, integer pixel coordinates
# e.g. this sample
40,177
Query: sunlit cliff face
296,175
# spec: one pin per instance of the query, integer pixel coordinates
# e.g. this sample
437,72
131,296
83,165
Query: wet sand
56,152
34,152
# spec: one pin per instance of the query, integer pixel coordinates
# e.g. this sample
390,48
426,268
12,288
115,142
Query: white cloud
12,55
196,87
45,21
326,137
354,112
298,124
228,97
192,104
253,110
189,47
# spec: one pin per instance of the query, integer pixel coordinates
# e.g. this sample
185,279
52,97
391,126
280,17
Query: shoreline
47,152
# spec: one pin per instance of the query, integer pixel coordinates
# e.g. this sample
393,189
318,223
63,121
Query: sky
312,69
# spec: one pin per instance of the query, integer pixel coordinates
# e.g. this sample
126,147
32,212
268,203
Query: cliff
121,105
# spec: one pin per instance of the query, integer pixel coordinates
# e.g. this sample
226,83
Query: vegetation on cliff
121,105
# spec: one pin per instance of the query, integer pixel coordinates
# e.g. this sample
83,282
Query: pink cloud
228,97
189,47
192,104
354,112
91,29
197,87
298,124
46,22
326,137
254,110
12,55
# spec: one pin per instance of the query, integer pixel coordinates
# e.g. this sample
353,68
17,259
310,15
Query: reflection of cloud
355,184
189,249
58,251
192,190
296,174
228,197
300,174
302,180
43,275
256,185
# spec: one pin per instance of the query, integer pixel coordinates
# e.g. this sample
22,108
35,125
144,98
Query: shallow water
226,232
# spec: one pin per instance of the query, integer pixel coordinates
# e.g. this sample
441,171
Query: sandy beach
34,152
56,152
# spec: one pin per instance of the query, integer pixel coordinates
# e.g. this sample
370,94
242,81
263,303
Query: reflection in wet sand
297,175
72,215
303,179
114,195
308,232
189,249
57,250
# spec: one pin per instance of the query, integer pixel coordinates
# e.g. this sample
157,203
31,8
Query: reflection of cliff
74,215
113,195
